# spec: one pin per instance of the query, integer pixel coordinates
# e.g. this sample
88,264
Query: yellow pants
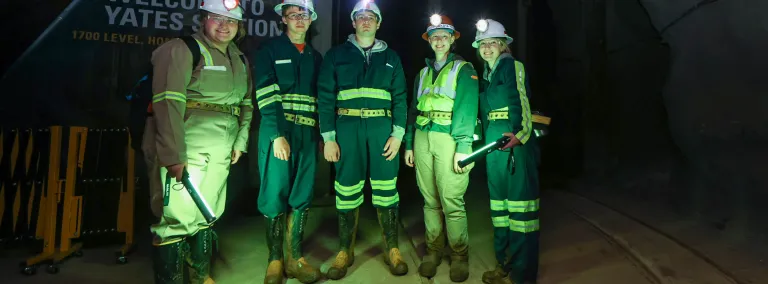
209,137
443,190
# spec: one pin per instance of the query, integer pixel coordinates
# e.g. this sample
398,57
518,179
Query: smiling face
441,41
366,24
297,19
491,48
220,29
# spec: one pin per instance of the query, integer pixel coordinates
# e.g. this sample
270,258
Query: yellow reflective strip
364,93
168,95
268,101
506,108
267,90
500,222
524,134
524,226
300,107
349,190
384,184
523,206
352,204
386,201
206,55
498,205
303,98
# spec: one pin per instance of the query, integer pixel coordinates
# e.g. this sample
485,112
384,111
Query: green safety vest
438,96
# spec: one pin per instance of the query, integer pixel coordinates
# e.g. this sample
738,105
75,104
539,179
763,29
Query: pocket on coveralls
284,71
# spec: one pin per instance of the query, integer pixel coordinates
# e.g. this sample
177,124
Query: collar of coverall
451,57
231,48
487,75
378,45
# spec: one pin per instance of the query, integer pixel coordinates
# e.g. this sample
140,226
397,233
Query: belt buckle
296,119
362,113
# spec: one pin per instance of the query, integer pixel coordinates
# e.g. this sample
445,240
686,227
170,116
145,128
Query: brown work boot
397,265
274,232
209,280
429,264
296,266
388,219
492,275
459,268
274,273
347,233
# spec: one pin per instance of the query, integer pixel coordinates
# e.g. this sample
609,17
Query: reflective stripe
524,226
265,102
523,206
348,204
500,222
301,98
206,55
438,96
386,201
524,134
384,184
498,205
168,95
360,93
299,107
266,90
349,190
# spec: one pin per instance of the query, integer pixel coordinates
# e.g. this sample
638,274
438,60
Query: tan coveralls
181,131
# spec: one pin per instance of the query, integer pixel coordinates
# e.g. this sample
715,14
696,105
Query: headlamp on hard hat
482,25
230,4
436,20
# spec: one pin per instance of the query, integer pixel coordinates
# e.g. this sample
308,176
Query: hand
331,152
512,142
281,148
236,154
176,171
458,157
409,158
391,148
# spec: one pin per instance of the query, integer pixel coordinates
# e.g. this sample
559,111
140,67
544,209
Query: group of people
352,105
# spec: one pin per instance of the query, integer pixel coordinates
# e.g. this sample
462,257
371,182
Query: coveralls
199,117
513,181
441,122
362,102
286,94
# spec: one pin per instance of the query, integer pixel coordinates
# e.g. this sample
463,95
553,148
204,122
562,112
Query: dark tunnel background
660,102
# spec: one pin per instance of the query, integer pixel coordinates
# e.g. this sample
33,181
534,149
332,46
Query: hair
502,44
241,32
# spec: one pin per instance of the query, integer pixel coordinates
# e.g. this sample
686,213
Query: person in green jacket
513,179
285,72
441,125
362,107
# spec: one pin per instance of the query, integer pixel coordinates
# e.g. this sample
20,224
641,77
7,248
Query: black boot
296,266
347,234
168,262
200,253
275,229
388,219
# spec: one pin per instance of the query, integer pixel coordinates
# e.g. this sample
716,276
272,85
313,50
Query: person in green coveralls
362,105
513,179
285,74
441,125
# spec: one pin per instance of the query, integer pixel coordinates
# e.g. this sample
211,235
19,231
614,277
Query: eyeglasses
222,20
297,17
489,44
365,18
439,38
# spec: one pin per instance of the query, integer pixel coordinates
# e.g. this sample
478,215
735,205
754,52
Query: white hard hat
366,5
306,4
489,29
227,8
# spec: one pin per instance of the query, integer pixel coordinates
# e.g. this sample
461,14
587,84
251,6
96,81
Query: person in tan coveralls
200,120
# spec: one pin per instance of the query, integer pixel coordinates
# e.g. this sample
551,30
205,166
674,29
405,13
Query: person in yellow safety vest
513,180
440,132
362,104
285,73
200,121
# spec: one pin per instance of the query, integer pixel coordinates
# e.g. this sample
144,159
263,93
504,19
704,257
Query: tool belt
437,114
233,110
535,118
364,112
300,119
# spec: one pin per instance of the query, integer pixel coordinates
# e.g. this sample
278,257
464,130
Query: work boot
492,275
168,262
275,229
388,219
429,264
199,259
504,280
459,267
296,266
347,233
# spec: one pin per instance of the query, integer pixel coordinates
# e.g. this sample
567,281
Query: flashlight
484,151
482,25
435,20
208,214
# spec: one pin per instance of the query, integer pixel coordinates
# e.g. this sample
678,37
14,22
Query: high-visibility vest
438,96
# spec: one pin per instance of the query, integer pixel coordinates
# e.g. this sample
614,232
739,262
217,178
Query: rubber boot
459,267
296,266
168,262
490,276
347,233
434,257
200,253
275,229
388,219
504,280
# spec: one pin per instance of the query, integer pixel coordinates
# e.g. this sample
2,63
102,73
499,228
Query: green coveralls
351,78
514,197
451,91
